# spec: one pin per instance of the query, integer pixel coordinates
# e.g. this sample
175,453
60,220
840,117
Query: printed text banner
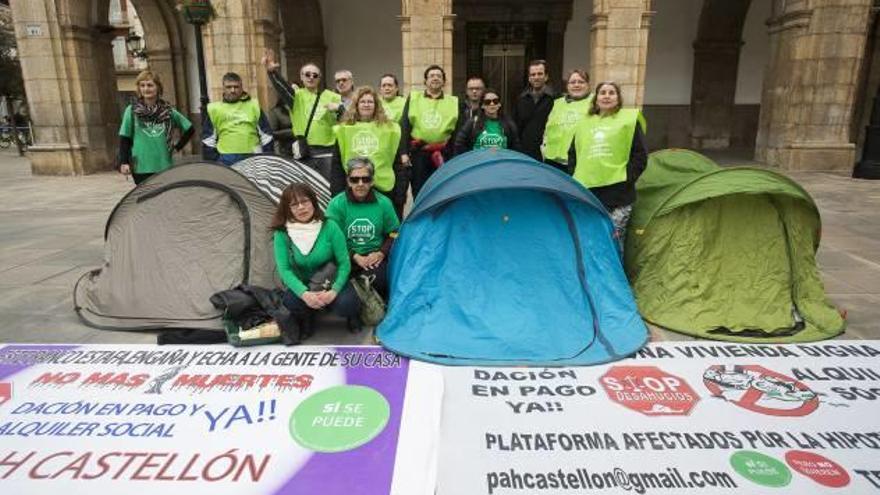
266,420
679,418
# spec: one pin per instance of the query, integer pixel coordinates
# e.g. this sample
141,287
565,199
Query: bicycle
7,140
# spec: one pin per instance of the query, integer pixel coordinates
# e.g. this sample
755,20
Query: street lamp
135,45
197,13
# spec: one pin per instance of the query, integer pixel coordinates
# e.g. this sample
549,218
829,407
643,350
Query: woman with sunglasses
305,244
609,154
368,220
366,132
312,113
567,111
490,129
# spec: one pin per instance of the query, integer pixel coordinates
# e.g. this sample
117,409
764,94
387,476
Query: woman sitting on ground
370,224
305,247
490,129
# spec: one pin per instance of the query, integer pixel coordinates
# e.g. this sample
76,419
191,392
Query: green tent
727,253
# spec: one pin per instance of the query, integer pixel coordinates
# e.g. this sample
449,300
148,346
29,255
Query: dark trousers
347,304
422,170
379,274
322,164
563,167
401,187
230,159
138,178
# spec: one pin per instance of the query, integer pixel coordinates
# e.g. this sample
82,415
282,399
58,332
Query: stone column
810,87
713,92
235,41
426,27
619,45
70,88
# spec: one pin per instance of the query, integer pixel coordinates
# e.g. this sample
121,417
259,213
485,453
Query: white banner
183,420
679,418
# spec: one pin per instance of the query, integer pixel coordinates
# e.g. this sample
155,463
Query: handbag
323,278
300,146
372,305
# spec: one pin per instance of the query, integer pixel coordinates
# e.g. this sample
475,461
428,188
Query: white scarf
304,235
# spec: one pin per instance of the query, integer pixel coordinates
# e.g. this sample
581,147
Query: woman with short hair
369,222
148,130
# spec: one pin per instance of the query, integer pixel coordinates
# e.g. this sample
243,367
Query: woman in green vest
366,132
147,133
488,129
393,104
609,154
368,220
567,111
306,248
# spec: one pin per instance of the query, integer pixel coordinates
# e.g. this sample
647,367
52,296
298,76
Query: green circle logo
339,418
761,469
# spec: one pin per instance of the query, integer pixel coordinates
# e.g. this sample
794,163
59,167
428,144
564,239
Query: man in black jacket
532,109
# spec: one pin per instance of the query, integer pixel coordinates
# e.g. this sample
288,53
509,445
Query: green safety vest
560,127
603,146
432,120
236,125
394,108
374,141
321,132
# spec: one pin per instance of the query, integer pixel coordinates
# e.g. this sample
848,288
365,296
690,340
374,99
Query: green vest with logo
236,125
321,132
432,120
603,146
378,142
394,108
561,124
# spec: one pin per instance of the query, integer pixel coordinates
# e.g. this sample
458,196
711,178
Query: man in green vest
236,127
430,120
313,113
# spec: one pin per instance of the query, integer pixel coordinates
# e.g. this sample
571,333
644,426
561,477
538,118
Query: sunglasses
312,75
491,101
360,180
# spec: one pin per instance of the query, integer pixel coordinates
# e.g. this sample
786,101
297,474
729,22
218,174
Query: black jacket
530,117
464,140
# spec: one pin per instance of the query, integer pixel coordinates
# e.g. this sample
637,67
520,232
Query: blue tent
506,261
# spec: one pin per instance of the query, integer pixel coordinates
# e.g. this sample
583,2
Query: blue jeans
230,159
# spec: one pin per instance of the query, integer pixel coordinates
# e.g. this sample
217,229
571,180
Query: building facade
787,81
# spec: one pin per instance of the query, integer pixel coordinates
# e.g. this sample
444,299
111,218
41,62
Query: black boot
354,324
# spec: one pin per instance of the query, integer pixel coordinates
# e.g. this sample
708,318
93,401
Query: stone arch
73,102
716,61
302,23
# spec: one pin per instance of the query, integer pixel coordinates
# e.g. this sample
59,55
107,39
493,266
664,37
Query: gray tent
183,235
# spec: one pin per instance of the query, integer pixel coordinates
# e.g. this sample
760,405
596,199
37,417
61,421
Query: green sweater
365,225
296,268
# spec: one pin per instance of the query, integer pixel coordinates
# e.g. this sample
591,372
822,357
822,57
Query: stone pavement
51,232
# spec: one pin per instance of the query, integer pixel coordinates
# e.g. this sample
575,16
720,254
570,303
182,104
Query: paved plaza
51,232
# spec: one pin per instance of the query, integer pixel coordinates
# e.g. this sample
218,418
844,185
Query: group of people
373,146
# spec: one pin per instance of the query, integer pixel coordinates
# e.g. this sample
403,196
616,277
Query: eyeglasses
311,75
342,80
361,180
491,101
302,202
